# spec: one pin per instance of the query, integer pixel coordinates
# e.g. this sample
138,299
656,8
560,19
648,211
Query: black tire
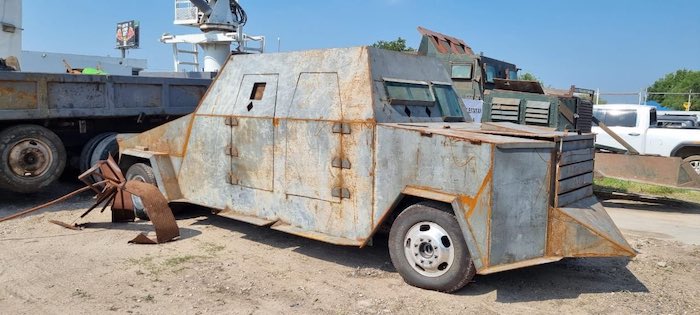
31,158
89,148
104,148
455,274
143,173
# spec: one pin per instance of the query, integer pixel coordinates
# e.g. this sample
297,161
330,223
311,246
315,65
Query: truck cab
340,144
638,125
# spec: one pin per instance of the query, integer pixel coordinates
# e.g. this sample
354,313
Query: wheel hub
30,158
428,249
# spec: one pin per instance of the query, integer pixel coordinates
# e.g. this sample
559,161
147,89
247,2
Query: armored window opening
449,101
490,73
462,71
258,90
404,93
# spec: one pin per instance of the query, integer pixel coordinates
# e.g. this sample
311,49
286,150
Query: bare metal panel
127,95
252,152
204,173
310,150
521,181
77,95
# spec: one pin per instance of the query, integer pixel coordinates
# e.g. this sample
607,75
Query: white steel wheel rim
696,165
429,249
30,158
136,200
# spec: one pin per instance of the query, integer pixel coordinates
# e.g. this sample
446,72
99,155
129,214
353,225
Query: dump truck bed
31,96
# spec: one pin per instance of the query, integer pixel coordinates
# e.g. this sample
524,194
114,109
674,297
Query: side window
512,74
490,73
462,71
621,118
448,100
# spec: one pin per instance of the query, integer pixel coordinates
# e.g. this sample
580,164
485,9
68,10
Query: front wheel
428,249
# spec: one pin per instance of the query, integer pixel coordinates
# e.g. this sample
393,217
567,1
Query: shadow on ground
647,203
567,279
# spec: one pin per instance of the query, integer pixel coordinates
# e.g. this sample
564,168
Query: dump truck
50,120
338,145
490,87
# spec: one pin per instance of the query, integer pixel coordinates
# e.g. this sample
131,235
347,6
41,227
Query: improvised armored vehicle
338,144
498,93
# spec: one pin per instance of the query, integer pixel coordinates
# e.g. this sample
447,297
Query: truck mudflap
584,229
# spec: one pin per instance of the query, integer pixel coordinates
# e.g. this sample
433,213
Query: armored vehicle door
314,138
252,132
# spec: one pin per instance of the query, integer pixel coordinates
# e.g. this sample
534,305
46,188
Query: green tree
396,45
527,76
681,81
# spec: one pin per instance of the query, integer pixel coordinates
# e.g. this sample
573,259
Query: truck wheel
428,249
694,161
143,173
31,157
89,148
104,148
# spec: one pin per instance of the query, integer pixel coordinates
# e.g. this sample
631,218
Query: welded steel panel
205,170
521,199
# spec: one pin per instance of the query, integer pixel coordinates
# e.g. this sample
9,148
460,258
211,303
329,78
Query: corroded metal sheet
660,170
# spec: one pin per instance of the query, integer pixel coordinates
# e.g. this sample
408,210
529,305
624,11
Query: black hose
239,15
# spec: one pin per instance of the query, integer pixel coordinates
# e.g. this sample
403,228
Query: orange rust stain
471,201
276,122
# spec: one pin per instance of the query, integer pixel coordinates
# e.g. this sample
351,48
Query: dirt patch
224,266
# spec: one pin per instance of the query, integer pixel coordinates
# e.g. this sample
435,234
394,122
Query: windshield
448,100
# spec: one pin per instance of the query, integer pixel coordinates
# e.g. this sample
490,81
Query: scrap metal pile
111,188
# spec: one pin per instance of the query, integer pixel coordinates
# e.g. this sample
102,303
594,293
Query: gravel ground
224,266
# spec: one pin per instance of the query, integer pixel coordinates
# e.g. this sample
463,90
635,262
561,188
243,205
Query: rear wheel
428,249
694,161
143,173
88,150
31,157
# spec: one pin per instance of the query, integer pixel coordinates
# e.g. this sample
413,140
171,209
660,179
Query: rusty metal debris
111,187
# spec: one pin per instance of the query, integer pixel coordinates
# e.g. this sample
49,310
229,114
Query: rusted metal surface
112,188
323,152
660,170
447,44
26,96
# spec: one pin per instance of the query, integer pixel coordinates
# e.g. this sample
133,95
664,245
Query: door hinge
342,193
231,121
230,150
232,179
341,163
341,128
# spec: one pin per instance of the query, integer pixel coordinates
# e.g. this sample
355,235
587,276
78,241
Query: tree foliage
527,76
396,45
681,81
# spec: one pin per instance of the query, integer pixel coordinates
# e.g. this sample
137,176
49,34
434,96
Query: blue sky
621,45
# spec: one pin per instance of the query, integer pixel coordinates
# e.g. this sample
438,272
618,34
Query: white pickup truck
637,125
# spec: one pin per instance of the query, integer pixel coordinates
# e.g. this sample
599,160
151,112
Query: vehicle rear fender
686,148
411,195
163,169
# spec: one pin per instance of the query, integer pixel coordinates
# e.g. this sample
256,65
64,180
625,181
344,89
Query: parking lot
224,266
